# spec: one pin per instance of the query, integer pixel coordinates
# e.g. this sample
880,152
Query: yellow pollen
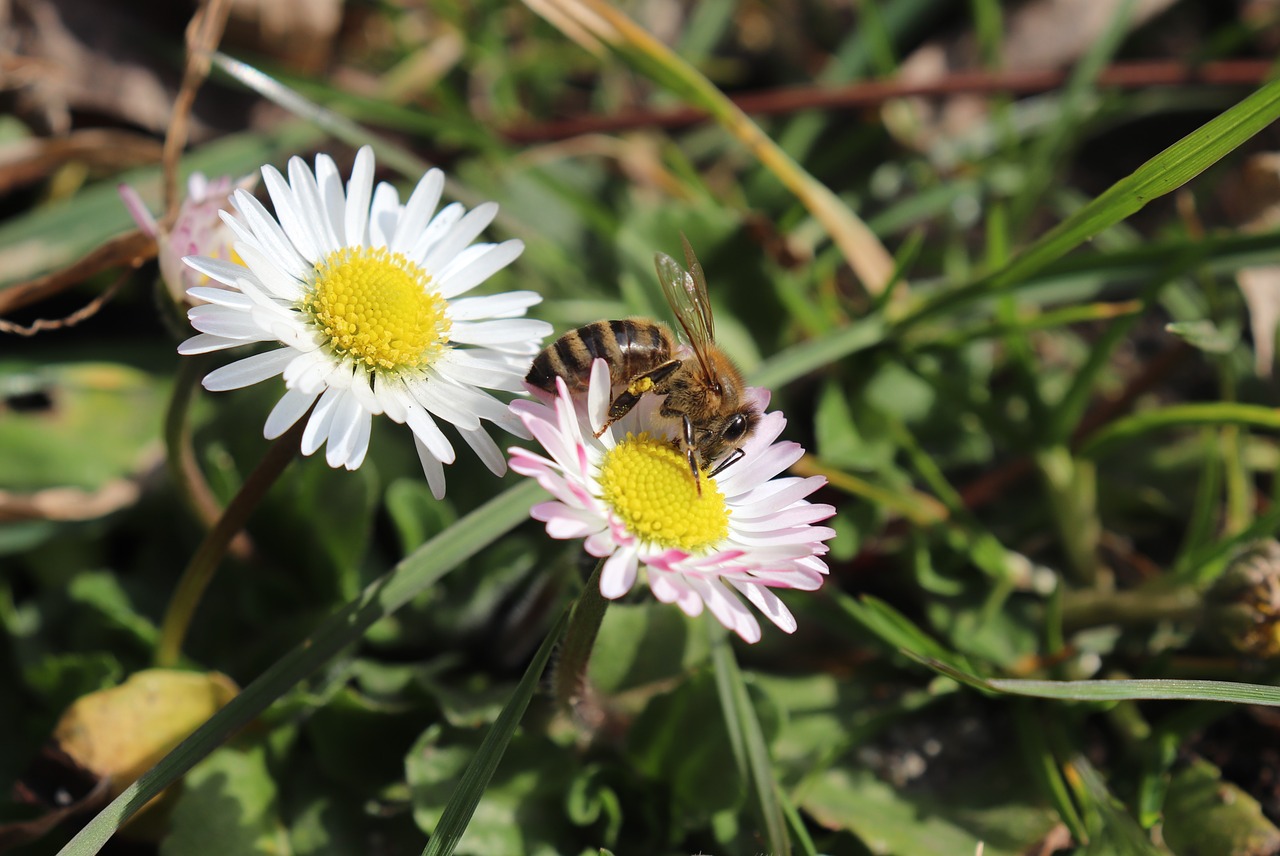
378,308
648,485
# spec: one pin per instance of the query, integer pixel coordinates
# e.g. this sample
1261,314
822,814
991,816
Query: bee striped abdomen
630,346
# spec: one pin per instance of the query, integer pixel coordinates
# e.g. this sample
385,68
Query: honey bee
704,391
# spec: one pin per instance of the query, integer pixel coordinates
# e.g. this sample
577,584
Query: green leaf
381,598
1206,335
227,808
988,806
1203,813
641,644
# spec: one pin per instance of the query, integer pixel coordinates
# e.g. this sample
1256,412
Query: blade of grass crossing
1164,173
424,567
465,798
749,749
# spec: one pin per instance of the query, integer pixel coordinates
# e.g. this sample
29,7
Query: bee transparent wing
686,291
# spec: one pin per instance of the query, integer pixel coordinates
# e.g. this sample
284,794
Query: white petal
275,279
290,214
769,603
442,400
221,296
428,433
204,343
347,418
313,210
463,233
417,211
249,371
468,270
225,322
383,214
218,270
486,450
288,410
500,332
317,430
511,304
268,235
431,468
436,229
360,447
619,573
599,395
330,184
359,192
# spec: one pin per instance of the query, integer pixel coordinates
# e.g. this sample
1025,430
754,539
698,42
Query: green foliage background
1036,477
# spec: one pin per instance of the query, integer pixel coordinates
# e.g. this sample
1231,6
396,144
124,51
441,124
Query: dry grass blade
132,248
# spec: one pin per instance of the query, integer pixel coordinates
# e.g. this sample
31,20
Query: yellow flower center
378,308
648,485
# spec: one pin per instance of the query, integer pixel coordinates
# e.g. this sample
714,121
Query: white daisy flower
363,294
630,495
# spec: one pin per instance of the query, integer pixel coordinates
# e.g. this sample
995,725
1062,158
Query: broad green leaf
228,806
642,644
1203,813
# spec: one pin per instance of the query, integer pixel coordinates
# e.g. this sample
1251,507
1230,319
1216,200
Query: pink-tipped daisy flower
363,296
197,231
630,495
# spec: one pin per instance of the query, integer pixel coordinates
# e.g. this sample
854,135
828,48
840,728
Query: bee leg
734,457
635,390
691,453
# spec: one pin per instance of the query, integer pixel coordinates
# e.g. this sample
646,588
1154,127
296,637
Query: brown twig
1127,75
132,248
85,312
203,34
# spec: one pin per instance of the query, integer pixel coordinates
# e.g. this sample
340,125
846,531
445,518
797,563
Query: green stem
180,456
200,570
1092,607
570,678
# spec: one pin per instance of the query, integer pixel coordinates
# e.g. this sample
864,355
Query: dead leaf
120,733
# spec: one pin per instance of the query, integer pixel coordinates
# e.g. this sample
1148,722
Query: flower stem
199,571
570,677
184,470
1093,607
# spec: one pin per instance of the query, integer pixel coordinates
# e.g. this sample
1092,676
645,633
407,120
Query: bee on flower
625,488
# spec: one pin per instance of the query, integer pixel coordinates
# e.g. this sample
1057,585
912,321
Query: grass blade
457,814
1136,689
422,568
1164,173
1182,415
749,748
